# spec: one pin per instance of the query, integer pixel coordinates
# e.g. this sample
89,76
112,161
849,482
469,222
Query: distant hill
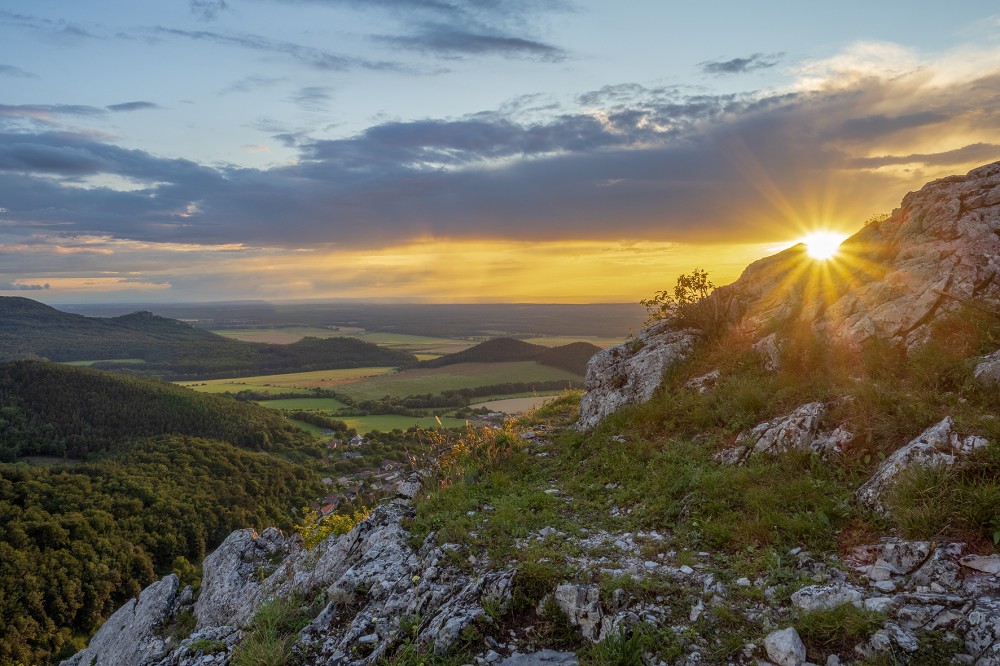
572,357
168,348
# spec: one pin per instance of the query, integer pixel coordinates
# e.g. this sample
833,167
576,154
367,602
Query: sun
822,244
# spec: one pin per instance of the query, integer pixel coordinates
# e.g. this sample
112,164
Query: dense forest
167,474
572,357
142,343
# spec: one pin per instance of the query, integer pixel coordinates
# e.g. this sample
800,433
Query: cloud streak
751,63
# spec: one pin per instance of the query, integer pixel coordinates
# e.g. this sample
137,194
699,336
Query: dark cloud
17,72
976,152
450,41
751,63
653,164
133,106
208,10
308,55
13,286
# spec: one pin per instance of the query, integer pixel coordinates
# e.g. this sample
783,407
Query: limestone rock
982,633
130,637
799,430
785,648
987,372
703,383
827,597
767,347
897,276
629,373
938,445
582,605
543,658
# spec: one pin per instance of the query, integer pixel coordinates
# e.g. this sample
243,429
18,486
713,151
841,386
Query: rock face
131,636
629,373
938,445
896,276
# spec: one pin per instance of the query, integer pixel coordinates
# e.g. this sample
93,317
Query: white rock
989,564
785,648
826,597
582,606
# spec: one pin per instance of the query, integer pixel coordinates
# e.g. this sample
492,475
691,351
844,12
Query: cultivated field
516,405
105,360
387,422
328,405
289,382
450,377
560,340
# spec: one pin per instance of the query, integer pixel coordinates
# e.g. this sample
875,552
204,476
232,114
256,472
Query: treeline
572,357
78,541
169,348
322,421
58,410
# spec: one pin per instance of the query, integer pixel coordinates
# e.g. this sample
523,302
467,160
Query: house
357,440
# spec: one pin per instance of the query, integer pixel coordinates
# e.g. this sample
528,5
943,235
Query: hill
809,475
572,357
159,475
142,343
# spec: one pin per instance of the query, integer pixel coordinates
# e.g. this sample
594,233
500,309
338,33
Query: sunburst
822,245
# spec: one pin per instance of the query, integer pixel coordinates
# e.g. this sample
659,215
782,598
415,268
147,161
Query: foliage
836,630
688,305
207,645
621,648
314,527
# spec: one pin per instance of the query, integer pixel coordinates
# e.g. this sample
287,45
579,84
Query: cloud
750,63
17,72
60,29
660,164
449,41
18,286
312,98
317,58
133,106
208,10
250,83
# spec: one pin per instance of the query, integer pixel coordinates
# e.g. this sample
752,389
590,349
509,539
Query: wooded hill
167,474
169,348
572,357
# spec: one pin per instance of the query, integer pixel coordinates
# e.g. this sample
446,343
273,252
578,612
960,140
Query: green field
462,375
289,382
304,404
309,427
105,360
559,341
387,422
414,344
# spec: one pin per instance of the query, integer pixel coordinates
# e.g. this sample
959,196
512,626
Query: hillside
810,475
142,343
157,476
572,357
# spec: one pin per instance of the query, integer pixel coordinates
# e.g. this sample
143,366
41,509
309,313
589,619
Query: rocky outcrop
629,373
939,445
132,636
987,371
800,431
894,277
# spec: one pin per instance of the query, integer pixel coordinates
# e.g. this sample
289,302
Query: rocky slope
892,279
616,562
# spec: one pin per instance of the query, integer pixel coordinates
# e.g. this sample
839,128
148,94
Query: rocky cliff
890,281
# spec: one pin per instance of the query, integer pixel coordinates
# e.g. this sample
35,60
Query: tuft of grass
621,648
207,646
836,631
269,638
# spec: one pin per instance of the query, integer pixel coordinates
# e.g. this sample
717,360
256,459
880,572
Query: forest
159,475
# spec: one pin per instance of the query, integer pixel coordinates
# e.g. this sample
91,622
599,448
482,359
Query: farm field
388,422
104,360
288,382
560,340
419,381
431,347
304,404
516,405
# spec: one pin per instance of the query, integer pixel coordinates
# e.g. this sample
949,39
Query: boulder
827,597
543,658
938,445
785,648
582,606
630,373
131,636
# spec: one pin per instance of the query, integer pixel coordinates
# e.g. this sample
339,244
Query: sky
464,150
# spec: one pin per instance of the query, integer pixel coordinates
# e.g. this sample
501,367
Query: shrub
688,305
314,528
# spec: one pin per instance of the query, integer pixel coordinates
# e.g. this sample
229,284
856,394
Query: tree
677,306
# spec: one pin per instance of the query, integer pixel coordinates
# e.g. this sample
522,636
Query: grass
269,638
328,405
288,382
836,631
462,375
